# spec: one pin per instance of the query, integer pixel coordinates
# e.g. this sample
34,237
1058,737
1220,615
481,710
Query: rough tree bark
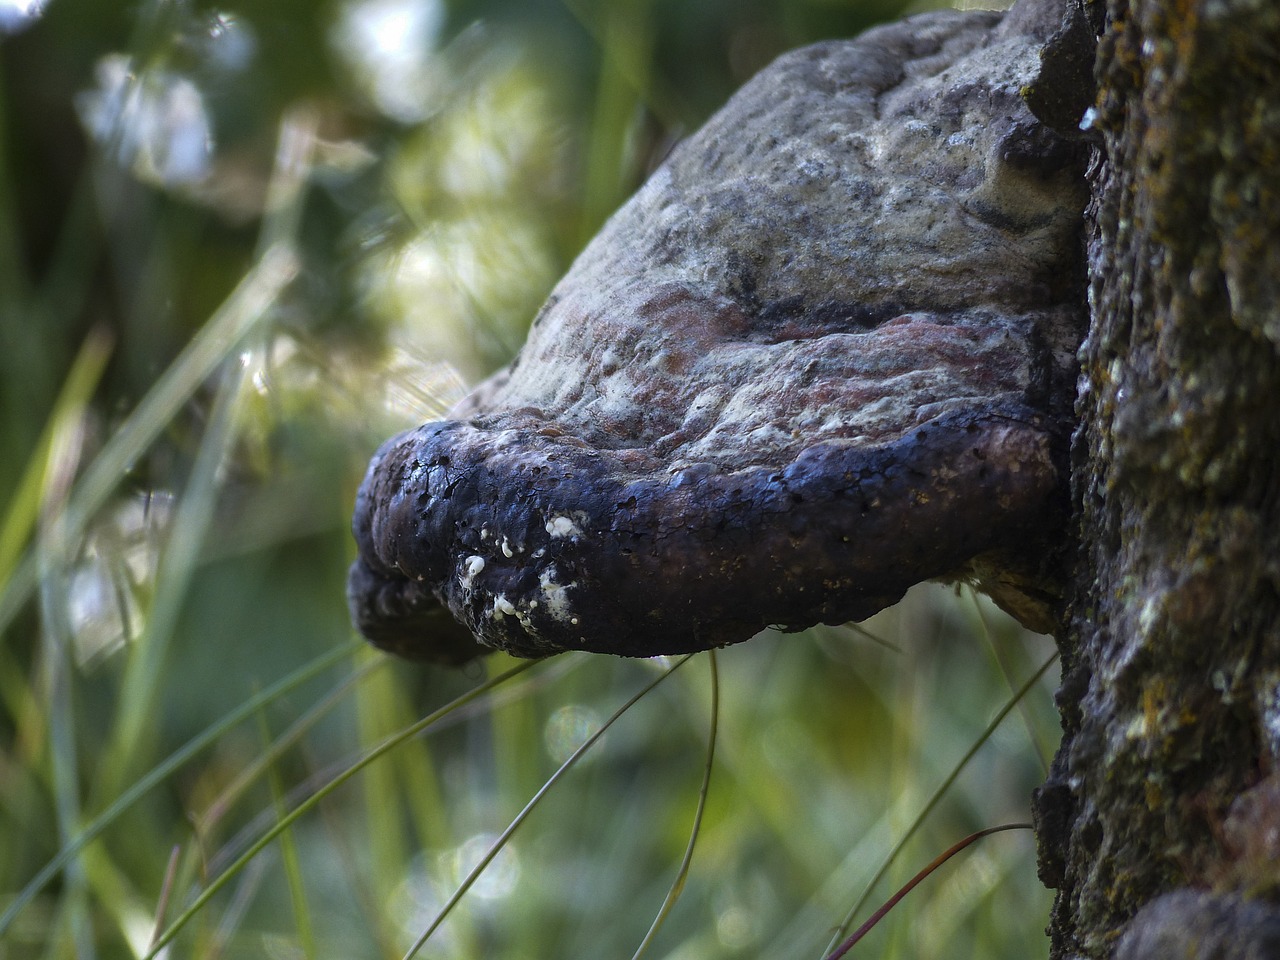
1160,824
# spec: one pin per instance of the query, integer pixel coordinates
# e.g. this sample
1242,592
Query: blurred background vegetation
240,245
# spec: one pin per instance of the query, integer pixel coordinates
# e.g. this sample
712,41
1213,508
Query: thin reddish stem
910,885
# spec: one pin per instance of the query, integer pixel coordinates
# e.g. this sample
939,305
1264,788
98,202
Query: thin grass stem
161,771
1002,661
289,855
283,824
677,886
529,807
911,884
52,548
878,640
934,799
205,823
166,890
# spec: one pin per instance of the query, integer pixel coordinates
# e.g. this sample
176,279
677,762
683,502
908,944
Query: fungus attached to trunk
825,353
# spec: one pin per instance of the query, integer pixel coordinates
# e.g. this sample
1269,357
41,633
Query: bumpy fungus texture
825,353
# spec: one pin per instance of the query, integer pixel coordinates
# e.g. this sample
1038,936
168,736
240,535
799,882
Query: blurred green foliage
241,244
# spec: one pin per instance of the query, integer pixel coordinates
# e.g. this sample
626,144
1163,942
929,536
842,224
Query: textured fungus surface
825,353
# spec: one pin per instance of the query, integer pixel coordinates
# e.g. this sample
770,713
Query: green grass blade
251,300
289,856
205,823
284,823
181,555
52,548
64,756
161,771
24,508
247,305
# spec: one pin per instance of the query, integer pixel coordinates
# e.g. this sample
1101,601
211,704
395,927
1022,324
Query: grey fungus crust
825,353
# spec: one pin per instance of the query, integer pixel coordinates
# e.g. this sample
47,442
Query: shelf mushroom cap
825,353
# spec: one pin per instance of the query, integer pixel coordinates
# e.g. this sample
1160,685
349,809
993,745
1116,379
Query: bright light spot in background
15,15
104,605
745,906
417,387
479,192
430,881
451,285
229,42
100,613
498,879
389,46
567,729
153,123
737,928
416,900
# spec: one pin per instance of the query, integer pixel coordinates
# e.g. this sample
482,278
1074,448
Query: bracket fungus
825,353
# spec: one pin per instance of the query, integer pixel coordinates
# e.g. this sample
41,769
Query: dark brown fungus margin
825,353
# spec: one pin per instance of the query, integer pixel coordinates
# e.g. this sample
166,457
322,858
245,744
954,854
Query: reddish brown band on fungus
824,354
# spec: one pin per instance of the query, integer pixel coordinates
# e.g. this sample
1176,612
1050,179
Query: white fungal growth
502,607
555,595
471,568
561,526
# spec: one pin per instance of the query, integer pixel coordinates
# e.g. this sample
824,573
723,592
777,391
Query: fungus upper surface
826,352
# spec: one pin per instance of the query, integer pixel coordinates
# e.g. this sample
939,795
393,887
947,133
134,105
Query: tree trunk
1160,824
